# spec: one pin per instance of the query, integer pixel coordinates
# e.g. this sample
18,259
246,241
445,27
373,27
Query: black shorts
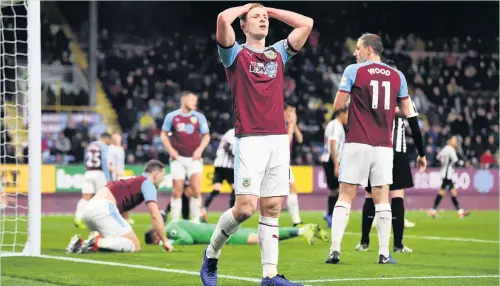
221,174
331,181
447,185
401,173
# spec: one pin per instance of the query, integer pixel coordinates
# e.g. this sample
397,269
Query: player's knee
453,193
244,209
87,197
443,193
271,207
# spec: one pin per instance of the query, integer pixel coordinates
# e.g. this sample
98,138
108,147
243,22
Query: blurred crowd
452,80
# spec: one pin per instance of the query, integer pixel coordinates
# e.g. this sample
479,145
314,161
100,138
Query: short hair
390,63
148,236
185,93
254,5
153,165
105,135
374,41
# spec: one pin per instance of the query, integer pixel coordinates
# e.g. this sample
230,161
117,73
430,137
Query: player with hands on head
255,76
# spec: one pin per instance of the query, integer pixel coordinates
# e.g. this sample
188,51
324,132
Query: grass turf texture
298,261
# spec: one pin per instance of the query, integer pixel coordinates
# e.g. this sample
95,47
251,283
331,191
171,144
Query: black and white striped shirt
223,158
399,130
398,135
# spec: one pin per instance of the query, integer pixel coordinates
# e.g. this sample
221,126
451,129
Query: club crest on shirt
194,119
269,69
246,182
270,54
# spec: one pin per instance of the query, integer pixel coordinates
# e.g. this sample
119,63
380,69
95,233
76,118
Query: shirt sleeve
285,50
105,161
167,122
336,132
413,109
203,124
228,55
348,78
149,191
453,157
403,89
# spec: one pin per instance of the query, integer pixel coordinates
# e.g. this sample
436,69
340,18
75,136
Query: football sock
367,220
185,206
176,208
195,208
210,197
332,200
289,232
225,227
455,202
268,243
398,222
232,199
293,208
120,244
383,217
340,218
437,201
79,209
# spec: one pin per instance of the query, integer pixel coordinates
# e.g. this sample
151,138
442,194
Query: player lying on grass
103,213
183,232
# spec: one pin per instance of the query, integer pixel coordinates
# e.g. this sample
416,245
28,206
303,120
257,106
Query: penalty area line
461,239
397,278
137,266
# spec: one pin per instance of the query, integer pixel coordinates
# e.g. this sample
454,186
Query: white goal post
20,97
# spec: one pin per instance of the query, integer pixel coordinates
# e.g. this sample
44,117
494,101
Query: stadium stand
453,80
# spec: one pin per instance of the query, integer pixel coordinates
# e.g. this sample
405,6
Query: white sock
176,208
340,218
293,208
383,217
226,226
120,244
195,209
79,209
269,242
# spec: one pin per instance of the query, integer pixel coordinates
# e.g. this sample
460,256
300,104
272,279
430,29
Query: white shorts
93,181
103,216
185,167
291,177
361,162
262,166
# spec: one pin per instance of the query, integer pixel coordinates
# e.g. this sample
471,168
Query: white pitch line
136,266
397,278
462,239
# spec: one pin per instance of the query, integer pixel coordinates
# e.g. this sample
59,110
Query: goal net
20,125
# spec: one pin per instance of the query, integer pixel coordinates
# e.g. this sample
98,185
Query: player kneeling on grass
185,232
103,213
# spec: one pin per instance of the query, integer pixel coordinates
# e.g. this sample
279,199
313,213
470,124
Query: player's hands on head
421,163
197,154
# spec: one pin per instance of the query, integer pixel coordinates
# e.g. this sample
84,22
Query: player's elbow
308,23
222,20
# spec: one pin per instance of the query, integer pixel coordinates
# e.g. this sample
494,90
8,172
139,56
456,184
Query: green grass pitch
445,246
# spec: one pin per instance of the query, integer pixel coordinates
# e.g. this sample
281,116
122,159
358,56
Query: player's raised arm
302,27
225,33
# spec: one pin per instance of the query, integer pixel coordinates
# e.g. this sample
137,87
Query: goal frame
32,246
33,243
